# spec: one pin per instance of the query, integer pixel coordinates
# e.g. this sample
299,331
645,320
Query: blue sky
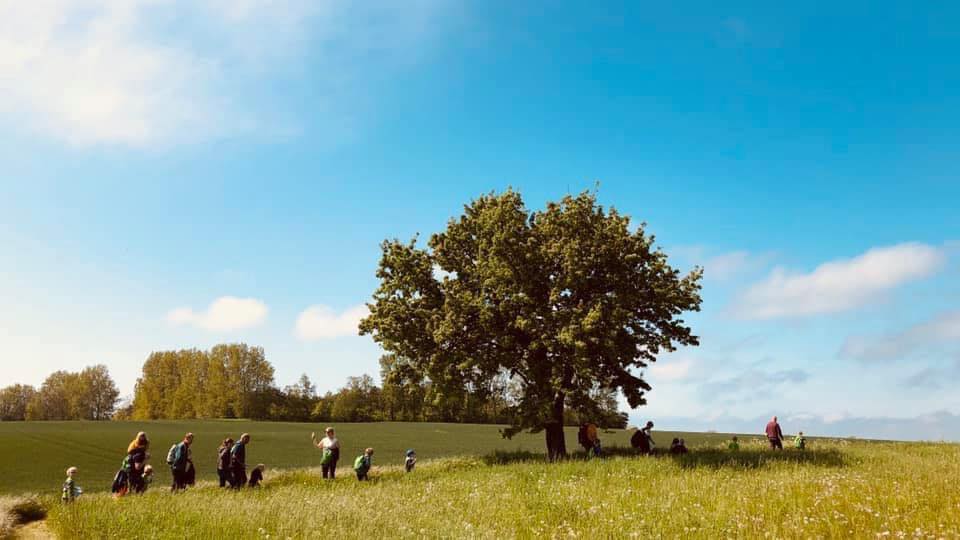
178,174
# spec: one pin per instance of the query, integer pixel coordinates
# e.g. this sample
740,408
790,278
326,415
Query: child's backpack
120,483
172,454
360,464
637,439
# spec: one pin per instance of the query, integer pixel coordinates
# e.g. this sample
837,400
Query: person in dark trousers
774,434
181,464
136,461
256,475
330,452
238,462
223,461
362,464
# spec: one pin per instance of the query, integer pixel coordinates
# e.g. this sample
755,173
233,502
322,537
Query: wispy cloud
931,336
146,72
222,315
723,266
839,285
751,383
322,322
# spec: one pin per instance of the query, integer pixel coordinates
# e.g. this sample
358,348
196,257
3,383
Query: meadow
473,484
835,490
34,455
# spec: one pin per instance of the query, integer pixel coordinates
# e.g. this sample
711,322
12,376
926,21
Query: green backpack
359,464
327,456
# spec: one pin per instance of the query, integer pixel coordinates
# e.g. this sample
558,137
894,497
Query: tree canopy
569,303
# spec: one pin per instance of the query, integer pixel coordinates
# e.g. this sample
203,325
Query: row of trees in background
86,395
237,381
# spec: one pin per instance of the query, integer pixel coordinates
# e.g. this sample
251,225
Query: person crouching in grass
70,489
363,463
256,476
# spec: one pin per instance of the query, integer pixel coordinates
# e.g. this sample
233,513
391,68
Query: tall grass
836,490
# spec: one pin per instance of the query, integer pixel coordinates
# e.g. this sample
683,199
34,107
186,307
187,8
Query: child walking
256,477
410,461
70,489
362,464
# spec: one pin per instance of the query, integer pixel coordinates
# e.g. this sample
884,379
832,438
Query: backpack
120,483
636,440
172,454
327,456
360,464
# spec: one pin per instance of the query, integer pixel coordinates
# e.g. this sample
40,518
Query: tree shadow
713,458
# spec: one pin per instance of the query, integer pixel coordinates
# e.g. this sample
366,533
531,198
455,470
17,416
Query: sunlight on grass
838,489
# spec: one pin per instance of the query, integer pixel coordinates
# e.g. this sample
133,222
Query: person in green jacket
734,444
800,442
70,489
362,464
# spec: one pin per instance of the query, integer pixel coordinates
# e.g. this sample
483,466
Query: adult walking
774,434
238,462
223,461
136,461
330,448
181,463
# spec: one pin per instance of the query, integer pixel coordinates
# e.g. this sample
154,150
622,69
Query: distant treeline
87,395
237,381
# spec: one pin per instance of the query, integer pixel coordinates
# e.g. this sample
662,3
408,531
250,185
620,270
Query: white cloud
838,285
321,322
727,266
943,329
671,370
223,314
145,72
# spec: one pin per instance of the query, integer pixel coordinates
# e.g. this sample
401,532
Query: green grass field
473,484
41,451
834,490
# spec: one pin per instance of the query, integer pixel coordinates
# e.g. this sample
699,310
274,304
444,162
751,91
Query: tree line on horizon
237,381
90,394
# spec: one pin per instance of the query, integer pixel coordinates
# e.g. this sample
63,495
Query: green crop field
35,454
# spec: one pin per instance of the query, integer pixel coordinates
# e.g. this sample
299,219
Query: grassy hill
43,450
837,489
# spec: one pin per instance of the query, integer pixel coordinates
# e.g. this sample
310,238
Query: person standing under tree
330,448
774,434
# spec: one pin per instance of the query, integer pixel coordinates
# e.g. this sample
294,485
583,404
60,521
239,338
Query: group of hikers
642,439
136,475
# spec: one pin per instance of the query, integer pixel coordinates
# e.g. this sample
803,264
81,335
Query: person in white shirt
330,447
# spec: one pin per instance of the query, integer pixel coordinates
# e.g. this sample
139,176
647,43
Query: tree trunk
556,442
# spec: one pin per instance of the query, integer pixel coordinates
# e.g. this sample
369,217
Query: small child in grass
362,464
256,476
734,444
147,477
410,461
70,489
800,442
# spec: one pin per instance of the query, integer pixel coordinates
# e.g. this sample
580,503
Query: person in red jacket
774,435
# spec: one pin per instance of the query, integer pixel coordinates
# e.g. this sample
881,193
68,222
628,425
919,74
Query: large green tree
567,302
